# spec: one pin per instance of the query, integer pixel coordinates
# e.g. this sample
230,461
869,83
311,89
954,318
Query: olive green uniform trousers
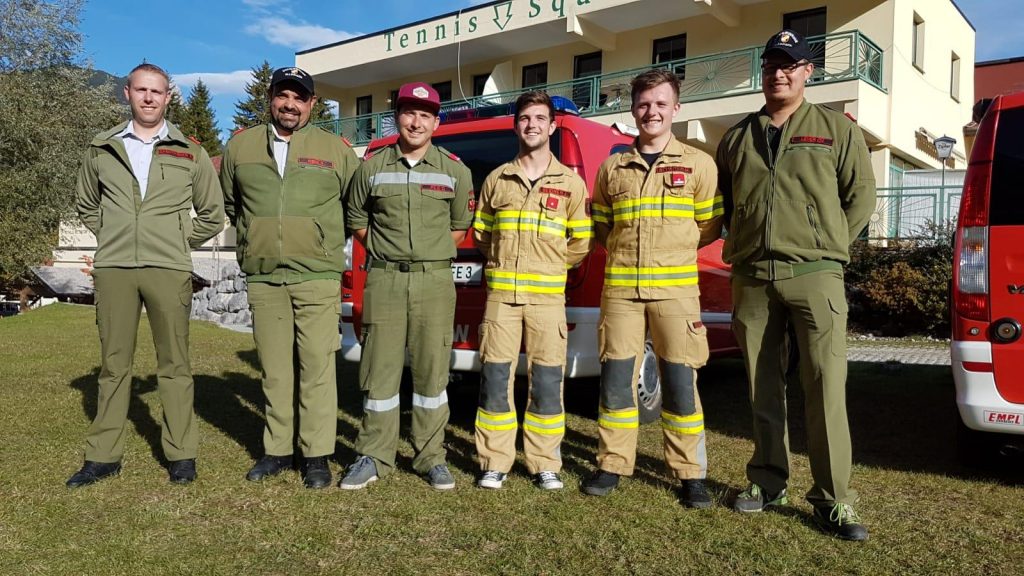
412,309
680,343
120,294
815,305
295,327
501,334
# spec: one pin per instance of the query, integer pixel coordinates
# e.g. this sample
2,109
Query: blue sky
222,40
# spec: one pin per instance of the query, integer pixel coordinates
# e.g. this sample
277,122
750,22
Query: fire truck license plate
467,273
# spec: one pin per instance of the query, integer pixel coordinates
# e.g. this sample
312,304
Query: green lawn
927,515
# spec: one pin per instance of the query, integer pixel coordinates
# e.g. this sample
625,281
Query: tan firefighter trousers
680,345
505,327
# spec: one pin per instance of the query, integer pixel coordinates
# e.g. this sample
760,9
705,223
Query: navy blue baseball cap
789,43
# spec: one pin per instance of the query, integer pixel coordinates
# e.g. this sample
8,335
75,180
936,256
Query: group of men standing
791,183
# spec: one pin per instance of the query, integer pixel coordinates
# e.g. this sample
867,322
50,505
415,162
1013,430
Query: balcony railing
838,57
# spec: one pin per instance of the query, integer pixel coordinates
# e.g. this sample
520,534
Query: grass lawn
927,515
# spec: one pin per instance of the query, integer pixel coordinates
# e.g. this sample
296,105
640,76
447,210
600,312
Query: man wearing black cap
410,204
798,189
283,186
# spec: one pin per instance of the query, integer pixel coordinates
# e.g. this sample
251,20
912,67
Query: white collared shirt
280,151
140,152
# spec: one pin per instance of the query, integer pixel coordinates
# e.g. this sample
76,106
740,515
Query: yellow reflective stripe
600,213
552,425
622,419
708,209
513,281
526,221
654,207
482,221
495,420
651,276
690,425
581,228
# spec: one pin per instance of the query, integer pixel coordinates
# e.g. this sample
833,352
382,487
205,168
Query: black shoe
182,471
92,472
316,473
841,521
269,466
601,483
694,494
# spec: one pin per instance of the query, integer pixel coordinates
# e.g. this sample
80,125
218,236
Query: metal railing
913,211
838,57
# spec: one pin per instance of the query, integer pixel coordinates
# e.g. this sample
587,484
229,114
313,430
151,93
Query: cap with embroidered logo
292,74
789,43
419,93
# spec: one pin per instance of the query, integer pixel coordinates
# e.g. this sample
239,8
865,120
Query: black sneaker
316,473
601,483
93,472
694,494
269,466
182,471
755,499
841,521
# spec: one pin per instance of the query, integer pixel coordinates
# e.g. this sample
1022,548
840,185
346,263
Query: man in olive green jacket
136,187
283,185
798,188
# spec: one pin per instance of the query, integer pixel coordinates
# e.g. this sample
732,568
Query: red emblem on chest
811,140
317,162
555,191
551,203
175,153
437,188
678,179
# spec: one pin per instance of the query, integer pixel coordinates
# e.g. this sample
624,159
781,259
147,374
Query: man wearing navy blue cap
798,188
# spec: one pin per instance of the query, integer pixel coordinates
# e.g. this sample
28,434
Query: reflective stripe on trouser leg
385,323
621,344
682,421
431,313
545,338
759,322
818,310
317,312
118,309
496,424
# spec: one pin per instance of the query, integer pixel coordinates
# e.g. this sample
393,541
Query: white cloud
219,83
298,35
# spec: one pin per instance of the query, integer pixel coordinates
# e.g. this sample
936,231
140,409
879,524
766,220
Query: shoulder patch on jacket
239,131
370,154
346,141
450,155
196,140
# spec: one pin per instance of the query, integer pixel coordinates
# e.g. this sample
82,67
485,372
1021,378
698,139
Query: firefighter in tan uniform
653,206
532,225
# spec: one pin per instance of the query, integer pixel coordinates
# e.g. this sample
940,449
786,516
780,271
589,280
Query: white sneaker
546,480
491,479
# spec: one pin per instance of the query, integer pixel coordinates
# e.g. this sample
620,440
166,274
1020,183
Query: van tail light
571,156
347,280
972,277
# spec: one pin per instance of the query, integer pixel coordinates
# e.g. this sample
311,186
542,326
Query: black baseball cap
292,74
789,43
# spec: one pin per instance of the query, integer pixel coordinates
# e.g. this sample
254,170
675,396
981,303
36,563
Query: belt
410,266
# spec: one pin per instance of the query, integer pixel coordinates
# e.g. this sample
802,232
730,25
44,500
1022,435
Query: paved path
902,354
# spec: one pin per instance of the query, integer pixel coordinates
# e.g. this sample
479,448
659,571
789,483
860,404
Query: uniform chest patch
678,179
437,188
317,162
811,140
175,153
555,191
551,203
674,169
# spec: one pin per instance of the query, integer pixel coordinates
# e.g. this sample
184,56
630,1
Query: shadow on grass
139,413
902,417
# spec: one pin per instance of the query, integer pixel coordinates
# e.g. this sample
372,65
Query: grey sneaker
755,499
440,478
491,479
547,480
360,474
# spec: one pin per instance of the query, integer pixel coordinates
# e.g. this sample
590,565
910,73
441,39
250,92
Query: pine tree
254,109
199,121
321,112
176,112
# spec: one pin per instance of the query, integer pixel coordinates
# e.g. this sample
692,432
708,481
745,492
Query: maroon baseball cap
419,93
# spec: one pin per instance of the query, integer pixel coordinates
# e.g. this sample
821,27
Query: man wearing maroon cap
410,204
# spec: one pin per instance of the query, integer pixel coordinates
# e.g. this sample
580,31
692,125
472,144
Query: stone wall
225,301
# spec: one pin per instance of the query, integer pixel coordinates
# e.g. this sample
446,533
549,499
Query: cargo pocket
302,236
696,352
185,294
261,237
838,309
376,301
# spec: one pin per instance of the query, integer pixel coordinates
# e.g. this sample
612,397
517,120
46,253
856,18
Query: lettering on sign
460,333
487,20
1004,418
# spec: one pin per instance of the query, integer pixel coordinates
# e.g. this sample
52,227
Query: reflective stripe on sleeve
581,229
495,420
709,209
602,214
483,222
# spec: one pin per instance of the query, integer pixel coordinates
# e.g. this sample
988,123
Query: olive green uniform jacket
290,229
796,212
158,231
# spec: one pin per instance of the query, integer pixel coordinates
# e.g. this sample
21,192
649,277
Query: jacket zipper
814,225
771,203
323,237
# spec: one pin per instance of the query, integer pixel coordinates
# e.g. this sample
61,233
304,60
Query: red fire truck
483,143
